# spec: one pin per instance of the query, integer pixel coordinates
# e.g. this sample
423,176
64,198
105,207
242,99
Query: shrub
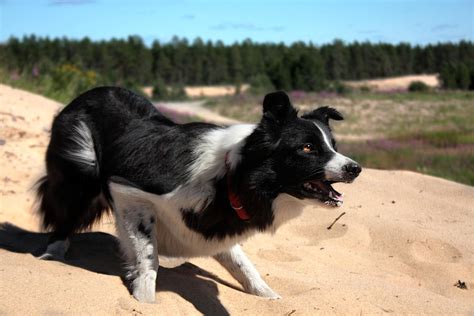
457,76
159,91
260,84
68,81
448,76
342,88
418,86
339,88
463,78
177,92
364,89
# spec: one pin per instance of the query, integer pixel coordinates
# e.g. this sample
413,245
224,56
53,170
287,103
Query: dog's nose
353,169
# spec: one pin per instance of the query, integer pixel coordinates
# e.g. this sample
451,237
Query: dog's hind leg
137,233
71,196
241,268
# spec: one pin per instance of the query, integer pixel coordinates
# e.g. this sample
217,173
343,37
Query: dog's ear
323,114
277,107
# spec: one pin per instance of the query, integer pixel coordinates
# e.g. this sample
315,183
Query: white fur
174,238
170,234
333,169
84,152
210,163
140,251
212,149
242,269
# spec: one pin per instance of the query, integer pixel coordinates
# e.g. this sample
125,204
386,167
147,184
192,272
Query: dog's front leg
137,233
242,269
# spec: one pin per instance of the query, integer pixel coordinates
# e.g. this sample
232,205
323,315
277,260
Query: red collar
233,197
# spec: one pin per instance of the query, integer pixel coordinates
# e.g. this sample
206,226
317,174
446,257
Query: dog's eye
307,148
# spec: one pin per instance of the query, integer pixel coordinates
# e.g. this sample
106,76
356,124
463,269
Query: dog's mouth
323,191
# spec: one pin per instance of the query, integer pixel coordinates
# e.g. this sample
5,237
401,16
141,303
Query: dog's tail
72,195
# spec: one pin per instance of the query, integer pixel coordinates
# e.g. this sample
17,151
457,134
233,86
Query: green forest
300,66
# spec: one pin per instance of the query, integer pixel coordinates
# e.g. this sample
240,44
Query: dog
184,190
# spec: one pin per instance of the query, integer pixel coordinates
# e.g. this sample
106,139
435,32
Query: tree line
301,66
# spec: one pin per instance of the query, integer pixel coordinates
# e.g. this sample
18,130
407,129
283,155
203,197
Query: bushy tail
71,196
66,207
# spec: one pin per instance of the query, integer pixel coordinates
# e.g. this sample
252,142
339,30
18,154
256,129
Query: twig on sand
461,284
337,218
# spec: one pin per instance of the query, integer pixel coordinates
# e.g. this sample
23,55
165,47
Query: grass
429,132
454,162
435,95
443,139
444,153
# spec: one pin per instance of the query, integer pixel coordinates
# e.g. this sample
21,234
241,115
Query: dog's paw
144,287
265,291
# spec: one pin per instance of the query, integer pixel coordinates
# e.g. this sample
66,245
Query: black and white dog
185,190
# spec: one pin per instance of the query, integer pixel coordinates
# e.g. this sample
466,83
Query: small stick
334,222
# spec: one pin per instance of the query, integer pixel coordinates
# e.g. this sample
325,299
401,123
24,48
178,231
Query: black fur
138,146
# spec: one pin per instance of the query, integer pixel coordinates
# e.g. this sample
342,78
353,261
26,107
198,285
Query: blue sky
393,21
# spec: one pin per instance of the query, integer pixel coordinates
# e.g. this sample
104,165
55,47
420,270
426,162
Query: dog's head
297,155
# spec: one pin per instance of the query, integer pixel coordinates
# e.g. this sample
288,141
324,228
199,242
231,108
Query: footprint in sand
277,255
316,234
434,250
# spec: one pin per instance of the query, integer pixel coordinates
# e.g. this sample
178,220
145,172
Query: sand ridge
403,243
396,83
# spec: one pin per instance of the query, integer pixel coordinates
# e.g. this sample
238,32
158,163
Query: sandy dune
395,83
403,243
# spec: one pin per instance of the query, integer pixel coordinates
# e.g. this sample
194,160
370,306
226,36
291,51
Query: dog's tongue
329,190
333,194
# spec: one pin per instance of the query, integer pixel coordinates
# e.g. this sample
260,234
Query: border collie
184,190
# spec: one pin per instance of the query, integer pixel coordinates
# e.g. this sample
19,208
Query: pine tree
463,79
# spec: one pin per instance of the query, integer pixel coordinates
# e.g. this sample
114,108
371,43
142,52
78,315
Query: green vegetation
429,132
260,84
300,66
62,84
458,76
435,95
453,163
161,92
418,86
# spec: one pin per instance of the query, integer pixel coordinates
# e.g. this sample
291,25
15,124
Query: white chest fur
174,238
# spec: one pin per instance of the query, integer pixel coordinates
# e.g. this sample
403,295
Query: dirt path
196,108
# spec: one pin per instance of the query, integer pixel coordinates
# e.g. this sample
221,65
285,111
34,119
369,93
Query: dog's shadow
99,252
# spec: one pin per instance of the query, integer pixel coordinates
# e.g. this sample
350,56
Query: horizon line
149,43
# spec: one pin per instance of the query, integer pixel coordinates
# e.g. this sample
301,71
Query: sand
404,241
205,91
395,83
195,109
